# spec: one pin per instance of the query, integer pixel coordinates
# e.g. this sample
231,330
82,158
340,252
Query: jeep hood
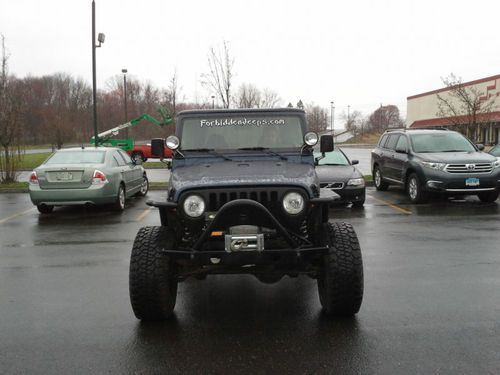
243,173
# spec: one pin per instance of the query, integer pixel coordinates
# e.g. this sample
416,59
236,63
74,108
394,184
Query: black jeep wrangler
244,198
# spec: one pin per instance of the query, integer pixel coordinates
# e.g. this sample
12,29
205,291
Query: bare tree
385,117
317,117
11,107
464,106
171,95
269,99
248,96
353,121
220,75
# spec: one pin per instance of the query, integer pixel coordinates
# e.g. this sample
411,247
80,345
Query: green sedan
80,176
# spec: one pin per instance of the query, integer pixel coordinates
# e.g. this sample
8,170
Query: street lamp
100,39
332,110
124,71
213,101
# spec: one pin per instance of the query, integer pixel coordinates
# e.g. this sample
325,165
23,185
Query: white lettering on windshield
241,122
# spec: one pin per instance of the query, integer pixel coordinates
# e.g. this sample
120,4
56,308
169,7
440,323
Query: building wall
425,106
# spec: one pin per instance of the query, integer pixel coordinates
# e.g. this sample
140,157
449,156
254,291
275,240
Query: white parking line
2,221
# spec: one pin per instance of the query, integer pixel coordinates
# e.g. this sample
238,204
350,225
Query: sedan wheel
144,187
119,205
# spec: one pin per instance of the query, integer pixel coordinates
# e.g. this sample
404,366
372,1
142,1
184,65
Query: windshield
77,157
332,158
495,151
441,142
237,132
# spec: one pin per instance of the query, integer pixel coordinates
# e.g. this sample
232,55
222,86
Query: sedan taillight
33,178
99,178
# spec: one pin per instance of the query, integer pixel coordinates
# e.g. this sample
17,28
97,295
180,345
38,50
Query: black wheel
358,204
489,196
45,208
415,190
119,204
144,187
137,156
152,282
380,184
340,281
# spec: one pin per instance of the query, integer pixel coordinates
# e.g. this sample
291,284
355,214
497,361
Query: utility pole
331,117
124,71
100,38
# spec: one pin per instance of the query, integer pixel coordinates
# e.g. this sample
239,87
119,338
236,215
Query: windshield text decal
241,122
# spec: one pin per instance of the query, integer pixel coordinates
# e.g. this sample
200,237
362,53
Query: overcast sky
357,53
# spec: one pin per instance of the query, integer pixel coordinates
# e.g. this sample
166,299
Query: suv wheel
415,190
380,184
152,282
489,197
340,282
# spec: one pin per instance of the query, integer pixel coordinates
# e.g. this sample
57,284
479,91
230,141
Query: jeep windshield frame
241,131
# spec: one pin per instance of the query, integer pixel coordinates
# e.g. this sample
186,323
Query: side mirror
401,150
157,147
326,143
354,162
480,146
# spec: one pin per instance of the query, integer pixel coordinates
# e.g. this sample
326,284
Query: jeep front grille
269,197
469,168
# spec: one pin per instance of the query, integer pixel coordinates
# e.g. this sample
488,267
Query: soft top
241,110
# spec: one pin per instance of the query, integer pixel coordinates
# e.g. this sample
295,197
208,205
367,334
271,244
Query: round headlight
173,142
293,203
311,138
194,206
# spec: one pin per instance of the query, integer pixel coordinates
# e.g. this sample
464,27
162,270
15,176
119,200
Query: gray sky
361,53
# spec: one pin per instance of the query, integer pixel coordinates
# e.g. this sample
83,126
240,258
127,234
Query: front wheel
488,197
152,277
340,281
45,208
380,184
415,190
144,187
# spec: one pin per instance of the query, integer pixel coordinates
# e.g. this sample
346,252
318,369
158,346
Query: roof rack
395,129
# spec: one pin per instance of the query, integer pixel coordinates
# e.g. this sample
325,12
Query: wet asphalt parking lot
432,298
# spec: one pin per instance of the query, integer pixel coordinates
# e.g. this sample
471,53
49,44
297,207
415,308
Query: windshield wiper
210,151
267,150
454,151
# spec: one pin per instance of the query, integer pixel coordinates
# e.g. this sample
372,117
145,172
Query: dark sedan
337,172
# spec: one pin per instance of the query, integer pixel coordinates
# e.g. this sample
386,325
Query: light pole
100,39
331,117
213,101
124,71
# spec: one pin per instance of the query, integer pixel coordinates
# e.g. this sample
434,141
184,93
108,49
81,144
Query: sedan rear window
77,157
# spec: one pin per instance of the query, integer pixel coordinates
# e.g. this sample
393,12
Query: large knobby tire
415,190
144,187
378,181
489,196
340,281
152,277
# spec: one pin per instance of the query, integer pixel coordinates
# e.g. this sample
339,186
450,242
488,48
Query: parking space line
393,206
145,213
16,215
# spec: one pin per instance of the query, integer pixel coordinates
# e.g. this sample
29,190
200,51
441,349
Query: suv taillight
99,178
33,178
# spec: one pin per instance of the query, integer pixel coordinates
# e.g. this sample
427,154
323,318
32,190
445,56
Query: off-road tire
152,282
378,181
415,190
144,187
488,197
119,204
45,208
340,281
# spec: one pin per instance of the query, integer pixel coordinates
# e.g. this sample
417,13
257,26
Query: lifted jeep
244,198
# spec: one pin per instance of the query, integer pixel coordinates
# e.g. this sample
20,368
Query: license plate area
472,182
244,242
64,176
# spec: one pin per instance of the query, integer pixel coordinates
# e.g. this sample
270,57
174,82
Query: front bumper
351,194
444,182
210,249
94,194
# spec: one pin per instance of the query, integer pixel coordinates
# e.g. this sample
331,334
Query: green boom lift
105,138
